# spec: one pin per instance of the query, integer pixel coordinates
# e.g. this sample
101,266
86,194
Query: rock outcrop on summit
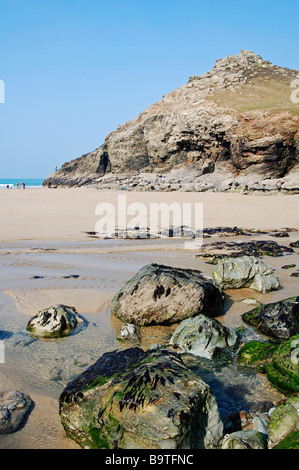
233,128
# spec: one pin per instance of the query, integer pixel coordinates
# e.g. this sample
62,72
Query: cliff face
237,120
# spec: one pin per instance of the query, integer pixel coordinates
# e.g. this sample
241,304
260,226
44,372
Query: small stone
54,321
245,439
260,425
14,408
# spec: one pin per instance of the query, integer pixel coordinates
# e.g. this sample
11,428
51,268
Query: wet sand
47,257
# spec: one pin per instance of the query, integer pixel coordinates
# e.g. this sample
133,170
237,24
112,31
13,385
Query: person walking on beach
17,185
23,184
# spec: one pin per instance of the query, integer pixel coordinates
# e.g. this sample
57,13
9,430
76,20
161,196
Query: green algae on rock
279,361
134,399
291,441
283,426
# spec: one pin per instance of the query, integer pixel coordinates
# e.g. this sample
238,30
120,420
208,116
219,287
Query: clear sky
76,69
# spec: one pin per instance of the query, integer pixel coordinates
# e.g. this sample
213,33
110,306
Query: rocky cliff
233,128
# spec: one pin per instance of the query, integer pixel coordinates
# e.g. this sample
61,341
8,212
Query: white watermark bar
157,220
2,91
295,92
2,352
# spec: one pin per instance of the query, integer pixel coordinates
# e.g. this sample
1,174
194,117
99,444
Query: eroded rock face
160,294
14,407
246,271
198,127
278,320
54,321
203,336
140,400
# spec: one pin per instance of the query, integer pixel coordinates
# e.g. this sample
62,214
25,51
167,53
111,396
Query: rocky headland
235,128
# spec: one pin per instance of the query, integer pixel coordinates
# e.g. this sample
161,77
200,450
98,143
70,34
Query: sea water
29,182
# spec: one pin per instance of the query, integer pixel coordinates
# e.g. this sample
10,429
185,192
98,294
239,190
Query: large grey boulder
160,294
134,399
203,336
14,407
54,321
245,271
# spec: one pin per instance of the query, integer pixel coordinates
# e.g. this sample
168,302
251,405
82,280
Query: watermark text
154,220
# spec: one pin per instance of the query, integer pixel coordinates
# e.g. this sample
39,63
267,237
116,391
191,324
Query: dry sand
67,214
44,239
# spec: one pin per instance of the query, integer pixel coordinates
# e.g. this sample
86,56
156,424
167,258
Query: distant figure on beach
17,185
23,184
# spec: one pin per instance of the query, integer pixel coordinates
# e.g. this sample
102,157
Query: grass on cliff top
259,94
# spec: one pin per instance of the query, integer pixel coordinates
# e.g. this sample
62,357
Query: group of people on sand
23,185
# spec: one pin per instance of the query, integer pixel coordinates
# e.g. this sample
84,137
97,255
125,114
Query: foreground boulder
246,271
279,319
54,321
279,361
160,294
140,400
283,426
203,336
14,408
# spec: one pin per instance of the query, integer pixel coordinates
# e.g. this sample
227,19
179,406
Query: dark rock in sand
295,244
278,320
280,235
14,408
219,250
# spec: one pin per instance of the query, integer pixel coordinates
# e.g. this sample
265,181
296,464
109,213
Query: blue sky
74,70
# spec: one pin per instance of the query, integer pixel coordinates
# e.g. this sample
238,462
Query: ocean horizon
29,182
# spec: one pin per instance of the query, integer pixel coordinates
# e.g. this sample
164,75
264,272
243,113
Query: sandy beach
49,255
67,214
